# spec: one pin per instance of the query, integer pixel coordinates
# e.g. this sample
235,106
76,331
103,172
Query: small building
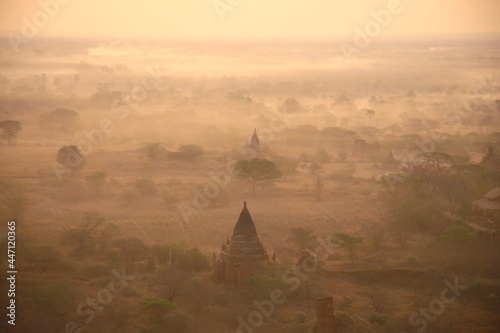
241,254
491,159
490,203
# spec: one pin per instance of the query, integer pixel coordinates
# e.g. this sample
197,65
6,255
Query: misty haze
188,174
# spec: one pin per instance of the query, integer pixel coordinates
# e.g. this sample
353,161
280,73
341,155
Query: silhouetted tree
370,114
96,181
302,238
152,150
256,171
133,249
348,242
70,157
82,239
61,119
9,130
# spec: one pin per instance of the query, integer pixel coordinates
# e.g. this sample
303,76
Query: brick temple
241,254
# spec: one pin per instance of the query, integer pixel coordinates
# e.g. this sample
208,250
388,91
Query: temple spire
254,142
245,225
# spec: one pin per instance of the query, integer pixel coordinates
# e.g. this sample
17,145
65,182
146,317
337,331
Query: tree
291,105
70,157
61,119
195,260
157,307
152,150
427,173
379,299
180,254
161,254
9,130
197,294
370,114
96,180
377,237
256,171
173,281
322,156
319,186
44,257
264,284
133,249
302,238
178,249
190,153
348,242
415,125
81,239
286,165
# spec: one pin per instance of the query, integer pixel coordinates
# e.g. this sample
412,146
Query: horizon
217,19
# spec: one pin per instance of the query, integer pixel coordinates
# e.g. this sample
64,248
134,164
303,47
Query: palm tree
369,113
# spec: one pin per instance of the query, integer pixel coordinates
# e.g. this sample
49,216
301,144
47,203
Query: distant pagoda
491,159
256,146
240,256
390,162
254,142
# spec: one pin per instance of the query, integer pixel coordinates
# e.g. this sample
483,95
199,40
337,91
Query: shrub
96,180
157,307
458,234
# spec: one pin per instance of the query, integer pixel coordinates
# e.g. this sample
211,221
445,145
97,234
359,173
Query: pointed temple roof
390,158
245,244
245,225
254,142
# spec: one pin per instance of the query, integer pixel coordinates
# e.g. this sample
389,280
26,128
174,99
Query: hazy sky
251,18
